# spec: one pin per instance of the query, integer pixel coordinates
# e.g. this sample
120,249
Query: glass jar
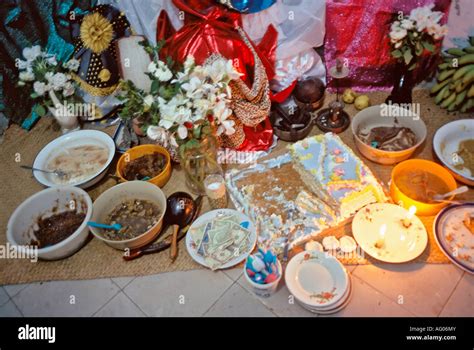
199,162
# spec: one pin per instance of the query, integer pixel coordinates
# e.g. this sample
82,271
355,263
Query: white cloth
300,25
459,24
143,14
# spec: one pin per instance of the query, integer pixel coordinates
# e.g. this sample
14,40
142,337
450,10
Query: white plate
400,244
192,250
446,143
459,248
316,279
73,139
336,308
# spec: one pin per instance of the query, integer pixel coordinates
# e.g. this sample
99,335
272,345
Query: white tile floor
382,290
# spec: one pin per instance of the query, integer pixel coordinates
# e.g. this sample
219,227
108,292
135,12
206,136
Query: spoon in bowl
115,227
58,173
441,197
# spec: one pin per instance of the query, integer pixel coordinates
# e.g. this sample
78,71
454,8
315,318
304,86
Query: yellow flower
96,32
104,75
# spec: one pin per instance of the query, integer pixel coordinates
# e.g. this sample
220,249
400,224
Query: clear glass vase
199,162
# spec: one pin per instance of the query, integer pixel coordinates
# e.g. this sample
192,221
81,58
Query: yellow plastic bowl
423,209
139,151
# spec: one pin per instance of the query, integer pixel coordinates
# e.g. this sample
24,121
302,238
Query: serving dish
446,143
131,190
45,204
372,117
75,140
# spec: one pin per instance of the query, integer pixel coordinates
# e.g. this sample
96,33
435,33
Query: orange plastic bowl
139,151
423,209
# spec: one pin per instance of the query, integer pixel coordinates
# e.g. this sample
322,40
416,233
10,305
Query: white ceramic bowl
20,225
108,200
74,139
446,143
375,116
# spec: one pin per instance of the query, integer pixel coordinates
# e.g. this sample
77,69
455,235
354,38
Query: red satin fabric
211,28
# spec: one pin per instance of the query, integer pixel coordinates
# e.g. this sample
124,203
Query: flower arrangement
49,81
186,103
411,35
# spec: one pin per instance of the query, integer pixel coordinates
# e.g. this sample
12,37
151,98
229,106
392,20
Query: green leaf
429,46
407,56
396,53
40,110
197,132
193,143
418,49
34,95
413,66
154,87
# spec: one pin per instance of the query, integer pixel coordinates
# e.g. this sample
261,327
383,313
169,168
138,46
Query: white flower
437,31
156,133
58,81
421,16
221,113
49,76
398,34
221,70
183,114
40,88
152,67
68,89
32,53
73,64
398,44
173,141
162,73
188,63
23,64
182,132
27,75
51,60
407,24
193,88
148,100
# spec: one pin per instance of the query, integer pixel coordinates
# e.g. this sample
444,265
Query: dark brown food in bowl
136,217
389,138
56,228
309,90
147,166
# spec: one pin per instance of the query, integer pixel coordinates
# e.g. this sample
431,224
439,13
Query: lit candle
408,220
381,242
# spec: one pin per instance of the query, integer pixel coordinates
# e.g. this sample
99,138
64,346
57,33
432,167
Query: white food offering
331,243
313,246
348,244
79,163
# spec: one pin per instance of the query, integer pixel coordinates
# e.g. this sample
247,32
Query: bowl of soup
415,182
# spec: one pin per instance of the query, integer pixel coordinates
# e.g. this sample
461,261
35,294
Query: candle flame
383,230
411,212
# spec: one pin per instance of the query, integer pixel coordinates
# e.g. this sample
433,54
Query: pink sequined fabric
357,32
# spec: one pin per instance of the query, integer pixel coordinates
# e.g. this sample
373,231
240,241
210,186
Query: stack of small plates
318,282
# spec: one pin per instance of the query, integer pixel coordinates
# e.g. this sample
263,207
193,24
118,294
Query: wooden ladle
180,208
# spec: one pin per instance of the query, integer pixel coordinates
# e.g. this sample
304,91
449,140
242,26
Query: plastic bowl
20,225
108,200
139,151
372,117
423,209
